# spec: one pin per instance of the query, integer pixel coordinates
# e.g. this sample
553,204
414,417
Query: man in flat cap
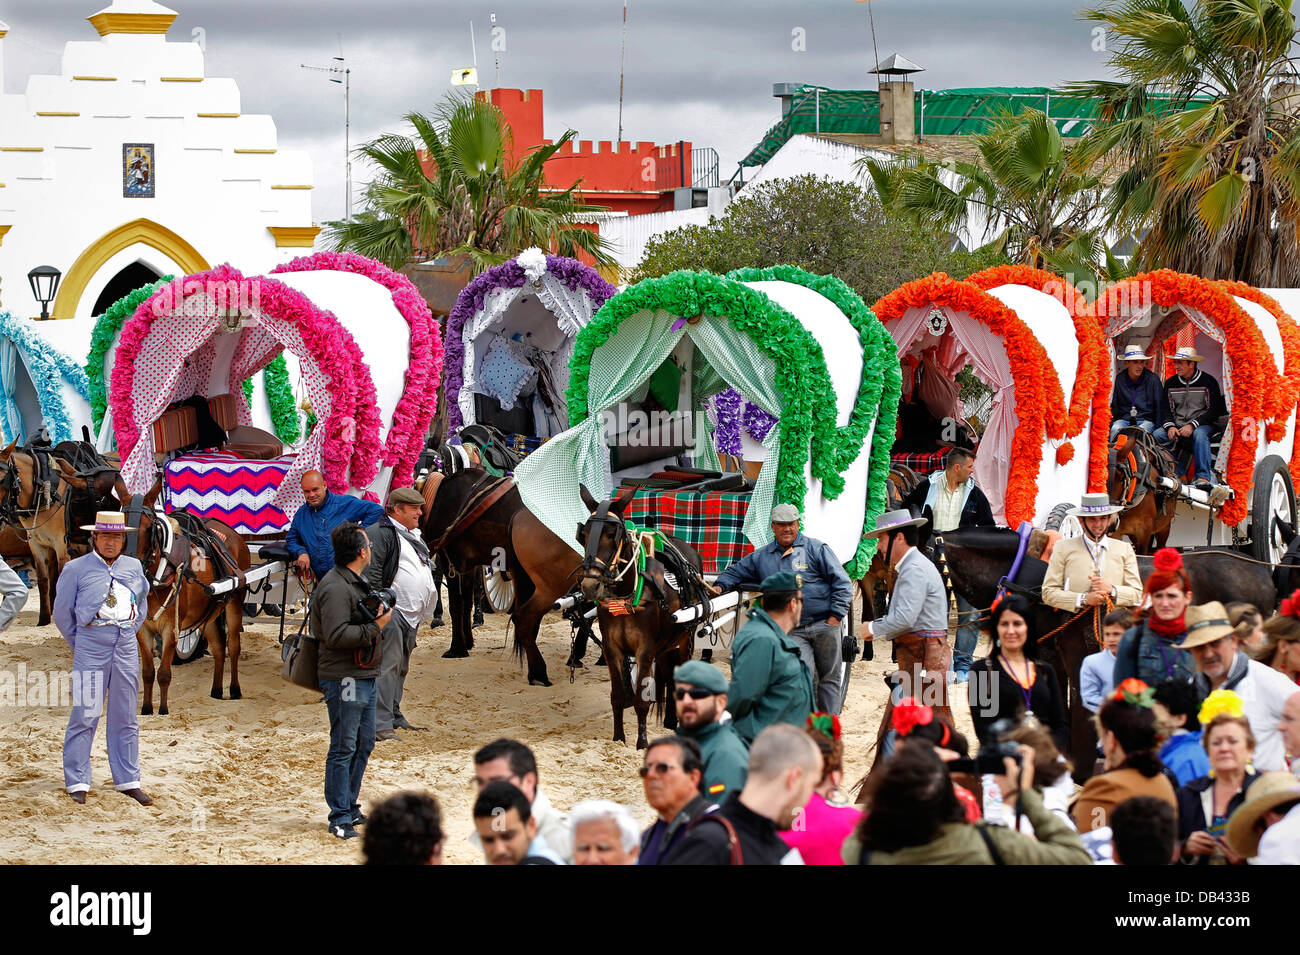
769,681
399,559
828,595
701,692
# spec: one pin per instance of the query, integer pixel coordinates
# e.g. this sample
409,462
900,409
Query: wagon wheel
499,590
1060,519
190,645
1272,501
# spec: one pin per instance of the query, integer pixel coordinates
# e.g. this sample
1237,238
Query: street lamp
44,280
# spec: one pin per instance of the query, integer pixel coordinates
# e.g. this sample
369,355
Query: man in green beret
701,692
769,682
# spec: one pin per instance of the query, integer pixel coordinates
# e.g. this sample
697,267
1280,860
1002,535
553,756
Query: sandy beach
241,781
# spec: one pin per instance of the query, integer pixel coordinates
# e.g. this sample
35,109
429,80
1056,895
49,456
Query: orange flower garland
1040,404
1065,454
1252,362
1281,404
1090,397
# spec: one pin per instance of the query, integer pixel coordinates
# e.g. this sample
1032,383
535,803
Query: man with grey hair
784,767
399,560
827,597
604,833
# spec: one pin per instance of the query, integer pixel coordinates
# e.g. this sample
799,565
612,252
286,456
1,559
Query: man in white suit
1091,570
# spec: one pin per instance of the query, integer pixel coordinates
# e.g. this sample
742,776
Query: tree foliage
822,225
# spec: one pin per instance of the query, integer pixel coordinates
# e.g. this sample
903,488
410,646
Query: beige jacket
1070,570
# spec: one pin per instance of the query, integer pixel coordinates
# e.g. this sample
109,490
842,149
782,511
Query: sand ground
241,781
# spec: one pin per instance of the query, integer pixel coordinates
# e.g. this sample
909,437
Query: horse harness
486,491
169,553
1139,462
46,481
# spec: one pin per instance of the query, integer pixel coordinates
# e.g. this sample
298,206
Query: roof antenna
621,50
872,18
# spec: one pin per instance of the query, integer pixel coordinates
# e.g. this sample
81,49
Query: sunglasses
660,768
695,693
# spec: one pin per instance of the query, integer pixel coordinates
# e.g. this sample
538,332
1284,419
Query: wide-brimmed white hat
1095,505
1134,353
893,521
1187,354
1267,792
108,522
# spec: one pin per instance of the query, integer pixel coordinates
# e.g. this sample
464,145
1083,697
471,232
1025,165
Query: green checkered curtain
549,477
745,367
703,453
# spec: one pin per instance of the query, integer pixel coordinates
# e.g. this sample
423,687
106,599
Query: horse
1135,466
637,590
180,561
45,498
978,558
479,520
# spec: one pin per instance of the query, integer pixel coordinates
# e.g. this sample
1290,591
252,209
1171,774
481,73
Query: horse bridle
591,561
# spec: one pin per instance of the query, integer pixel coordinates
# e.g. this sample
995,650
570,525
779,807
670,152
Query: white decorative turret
132,16
4,28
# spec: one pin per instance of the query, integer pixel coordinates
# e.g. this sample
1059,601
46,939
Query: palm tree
452,190
1026,191
1205,122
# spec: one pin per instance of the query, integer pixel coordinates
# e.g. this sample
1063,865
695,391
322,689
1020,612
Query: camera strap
989,844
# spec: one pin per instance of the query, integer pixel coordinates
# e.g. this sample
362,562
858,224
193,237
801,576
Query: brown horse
1134,469
477,520
642,633
182,556
46,511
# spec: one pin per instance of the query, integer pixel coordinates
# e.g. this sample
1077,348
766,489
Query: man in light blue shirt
1097,673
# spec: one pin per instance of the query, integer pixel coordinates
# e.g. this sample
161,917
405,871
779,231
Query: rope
1098,614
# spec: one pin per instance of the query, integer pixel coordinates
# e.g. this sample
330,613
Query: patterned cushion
177,428
504,375
224,410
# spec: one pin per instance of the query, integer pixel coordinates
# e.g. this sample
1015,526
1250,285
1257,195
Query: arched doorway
134,276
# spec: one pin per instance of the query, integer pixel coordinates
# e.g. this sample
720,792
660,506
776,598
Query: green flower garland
879,391
101,340
275,377
802,379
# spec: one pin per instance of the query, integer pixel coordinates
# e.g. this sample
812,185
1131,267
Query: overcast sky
698,70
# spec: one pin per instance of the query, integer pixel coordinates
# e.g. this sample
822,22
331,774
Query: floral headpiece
909,714
1291,606
1134,691
1167,559
1219,702
826,724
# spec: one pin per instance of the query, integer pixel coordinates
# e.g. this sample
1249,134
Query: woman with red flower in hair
827,819
917,724
1147,652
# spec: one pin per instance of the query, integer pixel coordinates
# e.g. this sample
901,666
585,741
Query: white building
131,164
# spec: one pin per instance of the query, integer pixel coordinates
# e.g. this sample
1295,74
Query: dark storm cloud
695,70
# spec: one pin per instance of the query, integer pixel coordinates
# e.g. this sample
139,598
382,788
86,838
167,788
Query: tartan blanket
231,489
922,462
710,521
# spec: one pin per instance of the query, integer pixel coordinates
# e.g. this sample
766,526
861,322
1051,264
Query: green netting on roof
954,112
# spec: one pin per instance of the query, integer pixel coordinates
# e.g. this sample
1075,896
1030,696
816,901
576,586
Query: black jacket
1195,402
995,695
385,551
344,632
975,513
1191,814
707,843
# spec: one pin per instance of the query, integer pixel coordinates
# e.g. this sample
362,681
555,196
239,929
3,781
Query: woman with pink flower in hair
1148,652
827,820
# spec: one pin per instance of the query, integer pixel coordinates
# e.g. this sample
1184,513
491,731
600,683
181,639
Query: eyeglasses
695,693
659,768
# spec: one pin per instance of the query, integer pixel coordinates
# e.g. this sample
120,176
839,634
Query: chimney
785,93
897,99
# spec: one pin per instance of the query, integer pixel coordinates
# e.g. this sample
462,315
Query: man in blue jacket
1139,397
309,534
827,596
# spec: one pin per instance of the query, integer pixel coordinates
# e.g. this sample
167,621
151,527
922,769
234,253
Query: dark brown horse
635,607
978,558
182,556
477,520
1136,465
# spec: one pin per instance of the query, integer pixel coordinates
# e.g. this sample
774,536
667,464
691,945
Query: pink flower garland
415,410
346,429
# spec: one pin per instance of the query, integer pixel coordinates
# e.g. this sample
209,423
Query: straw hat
893,521
108,522
1187,354
1134,353
1205,623
1095,505
1267,792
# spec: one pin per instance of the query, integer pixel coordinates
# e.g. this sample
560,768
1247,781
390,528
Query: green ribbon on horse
638,539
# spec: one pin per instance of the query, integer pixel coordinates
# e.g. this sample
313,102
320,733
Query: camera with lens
378,602
991,755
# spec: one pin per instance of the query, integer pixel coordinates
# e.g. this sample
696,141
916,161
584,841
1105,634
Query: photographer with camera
346,619
915,819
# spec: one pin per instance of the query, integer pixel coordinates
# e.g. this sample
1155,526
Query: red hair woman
1147,651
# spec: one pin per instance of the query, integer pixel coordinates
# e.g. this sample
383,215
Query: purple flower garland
734,412
470,302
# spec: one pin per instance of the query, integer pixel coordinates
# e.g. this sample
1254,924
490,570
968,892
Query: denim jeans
1119,424
968,636
820,650
351,706
1200,450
